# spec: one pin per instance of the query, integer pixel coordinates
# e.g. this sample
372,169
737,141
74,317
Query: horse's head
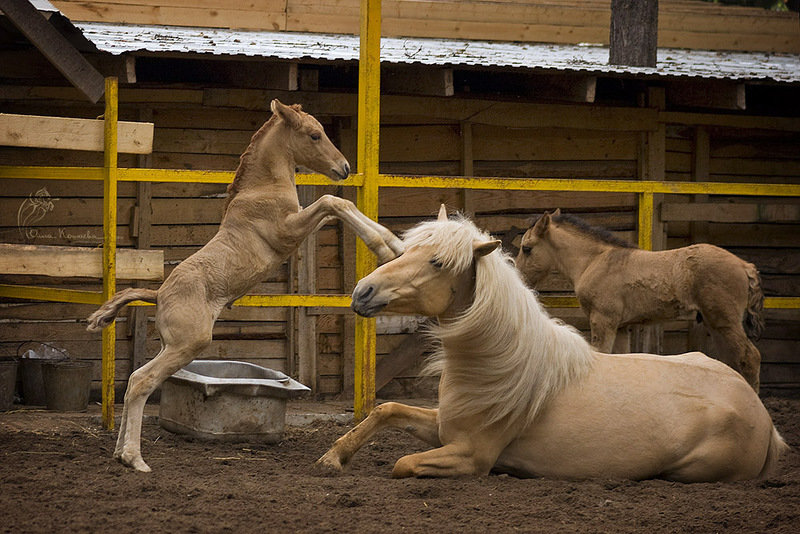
534,260
307,143
429,278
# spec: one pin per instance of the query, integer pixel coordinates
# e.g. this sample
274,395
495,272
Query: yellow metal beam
333,301
782,303
47,294
109,245
589,185
645,225
369,94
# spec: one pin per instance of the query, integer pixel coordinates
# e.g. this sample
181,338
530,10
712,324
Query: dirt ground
57,475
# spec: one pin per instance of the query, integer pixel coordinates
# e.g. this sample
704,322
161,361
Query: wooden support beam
55,47
417,80
400,359
719,94
86,262
72,134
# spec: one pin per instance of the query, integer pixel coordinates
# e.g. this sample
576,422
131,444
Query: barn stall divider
368,181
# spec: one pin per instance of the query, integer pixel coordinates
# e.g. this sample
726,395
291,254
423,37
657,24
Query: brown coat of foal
262,225
618,284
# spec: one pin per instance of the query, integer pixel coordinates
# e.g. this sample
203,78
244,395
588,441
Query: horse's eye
436,262
526,250
316,136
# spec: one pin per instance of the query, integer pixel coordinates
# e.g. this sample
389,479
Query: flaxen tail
754,314
106,313
777,446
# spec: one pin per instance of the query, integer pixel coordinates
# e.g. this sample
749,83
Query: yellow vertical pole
109,244
646,221
369,94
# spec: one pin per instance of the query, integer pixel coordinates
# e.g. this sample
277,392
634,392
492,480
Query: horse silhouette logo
32,210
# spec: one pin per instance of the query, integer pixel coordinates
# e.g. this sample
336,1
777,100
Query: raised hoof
134,461
328,465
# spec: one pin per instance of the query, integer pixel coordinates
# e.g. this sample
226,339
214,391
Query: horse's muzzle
364,301
340,173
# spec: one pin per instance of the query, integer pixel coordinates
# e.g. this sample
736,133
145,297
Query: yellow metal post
109,244
646,221
369,94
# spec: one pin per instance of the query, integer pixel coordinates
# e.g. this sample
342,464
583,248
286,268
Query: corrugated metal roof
121,38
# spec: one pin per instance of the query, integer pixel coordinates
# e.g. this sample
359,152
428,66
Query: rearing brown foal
262,225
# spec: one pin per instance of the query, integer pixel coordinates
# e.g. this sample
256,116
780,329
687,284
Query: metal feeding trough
227,400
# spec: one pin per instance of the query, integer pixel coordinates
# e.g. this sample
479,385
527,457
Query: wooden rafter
55,47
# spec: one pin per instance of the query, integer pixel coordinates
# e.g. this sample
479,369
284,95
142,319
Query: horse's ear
557,212
289,115
442,213
542,225
482,248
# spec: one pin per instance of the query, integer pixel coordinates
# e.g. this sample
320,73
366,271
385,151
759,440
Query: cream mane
504,356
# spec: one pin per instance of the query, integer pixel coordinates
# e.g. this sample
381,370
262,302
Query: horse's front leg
378,239
419,422
470,450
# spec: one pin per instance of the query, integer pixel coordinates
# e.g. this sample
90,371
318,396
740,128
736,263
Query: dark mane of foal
244,159
600,234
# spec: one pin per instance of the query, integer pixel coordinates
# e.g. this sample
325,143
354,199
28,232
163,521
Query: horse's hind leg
193,334
419,422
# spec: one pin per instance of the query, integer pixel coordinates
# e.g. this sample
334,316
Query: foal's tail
777,446
106,313
754,314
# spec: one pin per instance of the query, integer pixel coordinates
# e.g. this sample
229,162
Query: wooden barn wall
681,23
209,128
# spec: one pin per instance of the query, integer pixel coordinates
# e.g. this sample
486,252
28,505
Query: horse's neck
574,252
265,174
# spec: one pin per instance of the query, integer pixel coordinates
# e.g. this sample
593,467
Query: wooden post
698,230
109,245
307,284
652,232
633,36
369,93
143,222
467,168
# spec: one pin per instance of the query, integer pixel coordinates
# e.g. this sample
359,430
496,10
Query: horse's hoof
328,466
134,461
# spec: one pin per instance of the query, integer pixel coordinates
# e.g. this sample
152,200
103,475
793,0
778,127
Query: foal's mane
503,357
245,160
595,232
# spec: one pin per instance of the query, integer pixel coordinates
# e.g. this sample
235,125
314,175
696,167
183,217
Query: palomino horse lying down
525,394
262,225
618,284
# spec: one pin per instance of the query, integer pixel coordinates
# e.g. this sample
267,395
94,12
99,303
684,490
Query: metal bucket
227,400
33,392
8,379
66,385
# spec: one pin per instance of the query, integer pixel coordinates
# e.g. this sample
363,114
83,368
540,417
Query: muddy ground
57,475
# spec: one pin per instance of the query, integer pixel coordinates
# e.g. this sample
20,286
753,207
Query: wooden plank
222,16
55,47
730,213
79,262
72,134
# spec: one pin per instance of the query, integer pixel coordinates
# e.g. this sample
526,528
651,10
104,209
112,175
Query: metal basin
227,400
